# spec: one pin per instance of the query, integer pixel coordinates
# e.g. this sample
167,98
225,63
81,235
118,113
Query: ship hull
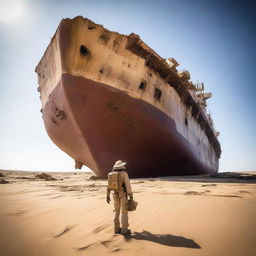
97,124
107,96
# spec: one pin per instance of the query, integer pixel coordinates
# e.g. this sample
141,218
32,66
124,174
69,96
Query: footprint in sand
66,229
227,196
244,192
16,213
104,243
84,247
98,229
116,249
56,197
209,185
193,193
114,244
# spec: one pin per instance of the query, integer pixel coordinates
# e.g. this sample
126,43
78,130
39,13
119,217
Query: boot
117,231
126,231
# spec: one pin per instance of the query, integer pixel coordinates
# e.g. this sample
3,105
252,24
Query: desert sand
68,215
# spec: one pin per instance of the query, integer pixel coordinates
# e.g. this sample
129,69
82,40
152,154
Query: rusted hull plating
107,96
97,124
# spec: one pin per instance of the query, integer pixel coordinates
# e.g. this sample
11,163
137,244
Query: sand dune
68,215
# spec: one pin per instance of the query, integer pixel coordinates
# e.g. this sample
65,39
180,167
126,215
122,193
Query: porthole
186,121
143,85
157,94
84,51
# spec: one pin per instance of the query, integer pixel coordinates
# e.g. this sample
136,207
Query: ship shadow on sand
164,239
224,177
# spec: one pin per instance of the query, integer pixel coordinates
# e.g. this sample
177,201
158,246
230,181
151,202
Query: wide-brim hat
119,165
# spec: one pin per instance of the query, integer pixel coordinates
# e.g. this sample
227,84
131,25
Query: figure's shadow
164,239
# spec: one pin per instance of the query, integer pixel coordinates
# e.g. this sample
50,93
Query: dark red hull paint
102,124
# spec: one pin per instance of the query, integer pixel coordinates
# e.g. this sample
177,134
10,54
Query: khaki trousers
120,200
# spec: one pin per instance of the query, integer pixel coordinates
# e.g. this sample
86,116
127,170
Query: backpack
114,181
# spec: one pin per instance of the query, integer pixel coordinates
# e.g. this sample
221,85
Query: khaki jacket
124,181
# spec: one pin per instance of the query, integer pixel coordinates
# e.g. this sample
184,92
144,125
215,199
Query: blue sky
215,40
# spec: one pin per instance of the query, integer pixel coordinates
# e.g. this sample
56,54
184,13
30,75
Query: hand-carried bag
131,205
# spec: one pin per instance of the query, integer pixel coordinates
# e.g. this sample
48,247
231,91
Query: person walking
119,183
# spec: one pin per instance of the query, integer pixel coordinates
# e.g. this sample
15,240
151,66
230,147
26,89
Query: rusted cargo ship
107,96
